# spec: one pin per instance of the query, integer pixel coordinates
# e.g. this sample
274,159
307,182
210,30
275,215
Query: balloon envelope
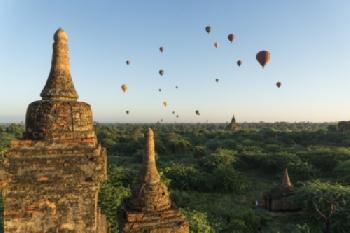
263,57
127,62
208,29
216,45
278,84
231,37
161,72
161,49
124,87
165,104
239,62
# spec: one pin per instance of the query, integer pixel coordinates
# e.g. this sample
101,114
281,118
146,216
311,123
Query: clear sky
309,43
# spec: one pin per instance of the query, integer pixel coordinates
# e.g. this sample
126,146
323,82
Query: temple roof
59,117
59,85
283,189
150,194
286,181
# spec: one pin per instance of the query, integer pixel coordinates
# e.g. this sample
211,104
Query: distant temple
150,209
50,179
233,126
277,198
344,126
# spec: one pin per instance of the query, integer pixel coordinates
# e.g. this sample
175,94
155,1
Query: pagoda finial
150,172
59,85
286,181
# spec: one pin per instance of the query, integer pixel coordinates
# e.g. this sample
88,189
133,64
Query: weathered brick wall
62,121
53,188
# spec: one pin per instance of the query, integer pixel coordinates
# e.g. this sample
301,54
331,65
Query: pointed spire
150,173
150,194
59,85
233,120
286,181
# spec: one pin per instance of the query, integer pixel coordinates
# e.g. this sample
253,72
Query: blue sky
308,41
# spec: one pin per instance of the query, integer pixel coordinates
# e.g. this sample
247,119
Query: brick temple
50,179
149,209
276,200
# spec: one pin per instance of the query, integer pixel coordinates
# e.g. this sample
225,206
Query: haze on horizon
308,41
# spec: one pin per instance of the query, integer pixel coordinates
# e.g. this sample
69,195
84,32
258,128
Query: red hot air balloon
278,84
239,62
231,37
263,57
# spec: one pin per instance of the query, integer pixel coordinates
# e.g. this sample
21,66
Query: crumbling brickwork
150,209
51,177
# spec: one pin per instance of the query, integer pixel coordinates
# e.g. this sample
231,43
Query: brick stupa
150,209
276,200
51,177
233,126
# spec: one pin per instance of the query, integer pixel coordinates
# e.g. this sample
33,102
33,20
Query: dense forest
216,175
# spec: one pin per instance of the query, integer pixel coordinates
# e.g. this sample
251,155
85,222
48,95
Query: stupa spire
150,173
286,181
149,209
59,85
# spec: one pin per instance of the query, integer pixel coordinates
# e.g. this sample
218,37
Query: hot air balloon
278,84
127,62
161,49
176,87
216,45
165,104
159,90
197,113
217,80
127,112
239,62
124,87
161,72
177,116
263,57
231,37
173,112
161,120
208,29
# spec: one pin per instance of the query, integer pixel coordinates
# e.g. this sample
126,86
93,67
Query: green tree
326,204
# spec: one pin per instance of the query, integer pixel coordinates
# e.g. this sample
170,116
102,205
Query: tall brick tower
150,209
51,177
